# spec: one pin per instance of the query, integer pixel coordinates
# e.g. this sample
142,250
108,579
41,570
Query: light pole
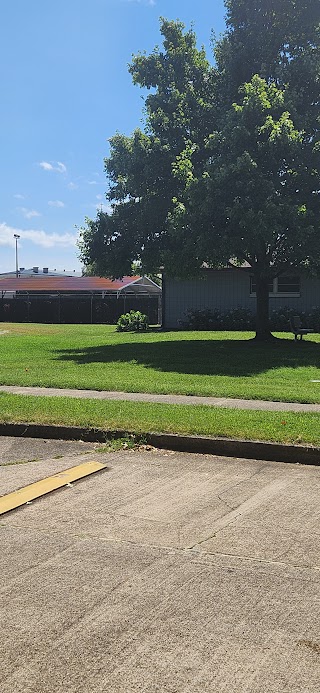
16,236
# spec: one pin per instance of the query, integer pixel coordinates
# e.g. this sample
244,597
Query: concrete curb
255,450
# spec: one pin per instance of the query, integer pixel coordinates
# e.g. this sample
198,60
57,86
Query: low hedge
244,319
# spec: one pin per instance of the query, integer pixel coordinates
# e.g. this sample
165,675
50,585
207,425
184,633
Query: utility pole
16,237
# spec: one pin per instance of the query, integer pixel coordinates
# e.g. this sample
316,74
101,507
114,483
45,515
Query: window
280,286
288,285
253,286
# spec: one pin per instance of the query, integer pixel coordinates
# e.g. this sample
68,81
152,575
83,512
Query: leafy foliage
281,318
206,319
244,319
134,321
228,165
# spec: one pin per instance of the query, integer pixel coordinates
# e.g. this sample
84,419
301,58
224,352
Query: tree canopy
227,167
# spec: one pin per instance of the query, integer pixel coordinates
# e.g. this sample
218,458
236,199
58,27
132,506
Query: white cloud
56,203
61,168
92,182
56,166
29,213
46,166
19,197
6,235
72,186
99,197
41,238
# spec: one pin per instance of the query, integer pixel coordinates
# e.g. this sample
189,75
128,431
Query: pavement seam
199,555
261,561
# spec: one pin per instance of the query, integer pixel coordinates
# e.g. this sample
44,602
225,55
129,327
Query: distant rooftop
67,284
40,272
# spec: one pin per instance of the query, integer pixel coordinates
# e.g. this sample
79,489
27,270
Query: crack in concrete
250,559
230,508
198,555
246,506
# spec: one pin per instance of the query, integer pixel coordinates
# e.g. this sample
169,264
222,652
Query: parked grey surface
165,572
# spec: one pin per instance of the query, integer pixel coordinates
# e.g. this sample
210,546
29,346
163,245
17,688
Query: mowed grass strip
223,364
282,427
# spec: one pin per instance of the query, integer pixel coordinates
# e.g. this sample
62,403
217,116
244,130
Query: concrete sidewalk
163,573
229,403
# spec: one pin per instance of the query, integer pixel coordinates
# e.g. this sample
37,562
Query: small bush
133,322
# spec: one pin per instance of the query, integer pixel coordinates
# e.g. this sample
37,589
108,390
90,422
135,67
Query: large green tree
227,167
141,169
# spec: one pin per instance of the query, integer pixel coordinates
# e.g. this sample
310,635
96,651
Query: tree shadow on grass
202,357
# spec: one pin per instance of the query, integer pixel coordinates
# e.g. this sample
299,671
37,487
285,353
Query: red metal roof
64,283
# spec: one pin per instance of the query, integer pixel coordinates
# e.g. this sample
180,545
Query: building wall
225,289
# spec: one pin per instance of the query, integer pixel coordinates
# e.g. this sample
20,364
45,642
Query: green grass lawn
144,417
227,364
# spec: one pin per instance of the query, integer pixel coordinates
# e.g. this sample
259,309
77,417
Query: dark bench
297,329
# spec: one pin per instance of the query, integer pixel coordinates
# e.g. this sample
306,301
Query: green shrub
280,319
244,319
233,319
134,321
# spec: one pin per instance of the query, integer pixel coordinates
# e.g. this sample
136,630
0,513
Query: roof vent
35,270
45,270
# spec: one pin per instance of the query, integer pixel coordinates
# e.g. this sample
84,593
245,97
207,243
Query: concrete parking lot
165,572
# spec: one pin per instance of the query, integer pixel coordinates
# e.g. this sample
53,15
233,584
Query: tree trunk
263,333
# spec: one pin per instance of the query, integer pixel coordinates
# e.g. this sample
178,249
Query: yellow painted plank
51,483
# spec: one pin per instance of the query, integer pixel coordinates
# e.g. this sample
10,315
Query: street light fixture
16,237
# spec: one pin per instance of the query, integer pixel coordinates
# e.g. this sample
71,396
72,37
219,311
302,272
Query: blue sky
65,90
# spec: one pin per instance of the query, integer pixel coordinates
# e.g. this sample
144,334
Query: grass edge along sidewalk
141,418
226,364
